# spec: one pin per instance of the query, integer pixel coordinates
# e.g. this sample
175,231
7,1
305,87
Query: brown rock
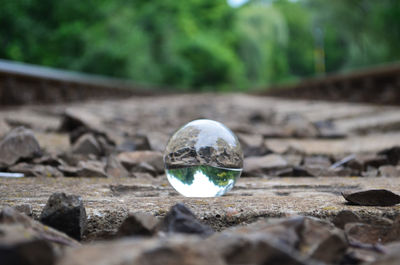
298,126
114,168
144,167
131,159
363,161
322,241
367,234
18,143
253,145
10,216
31,170
134,143
176,250
91,169
372,198
389,171
21,245
344,217
86,144
157,141
138,224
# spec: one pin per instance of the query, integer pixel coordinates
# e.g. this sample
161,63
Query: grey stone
180,219
392,154
344,217
86,144
175,250
4,128
380,197
114,168
18,143
297,125
389,171
21,245
24,208
138,224
65,213
363,161
260,163
317,161
32,170
253,145
144,167
367,234
10,216
131,159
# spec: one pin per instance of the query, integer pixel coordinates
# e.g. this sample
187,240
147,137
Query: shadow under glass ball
203,159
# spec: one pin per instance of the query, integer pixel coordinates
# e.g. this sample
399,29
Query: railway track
380,85
22,84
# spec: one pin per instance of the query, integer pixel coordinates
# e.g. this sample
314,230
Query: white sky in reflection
201,186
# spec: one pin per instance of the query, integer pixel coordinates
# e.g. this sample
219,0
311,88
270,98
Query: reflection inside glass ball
203,159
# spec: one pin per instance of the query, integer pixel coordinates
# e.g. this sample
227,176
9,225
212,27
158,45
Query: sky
236,3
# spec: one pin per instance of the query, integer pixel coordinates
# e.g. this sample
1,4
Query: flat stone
259,163
389,171
374,197
18,143
65,213
32,170
319,161
153,158
319,197
349,145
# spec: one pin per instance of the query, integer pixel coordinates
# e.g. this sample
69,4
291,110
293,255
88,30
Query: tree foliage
201,44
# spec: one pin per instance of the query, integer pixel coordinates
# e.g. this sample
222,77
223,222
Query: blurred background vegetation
202,44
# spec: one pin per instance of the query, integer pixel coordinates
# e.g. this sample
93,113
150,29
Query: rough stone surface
65,213
18,143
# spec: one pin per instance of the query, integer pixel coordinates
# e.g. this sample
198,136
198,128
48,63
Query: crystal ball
203,159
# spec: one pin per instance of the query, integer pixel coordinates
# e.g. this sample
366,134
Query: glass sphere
203,159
